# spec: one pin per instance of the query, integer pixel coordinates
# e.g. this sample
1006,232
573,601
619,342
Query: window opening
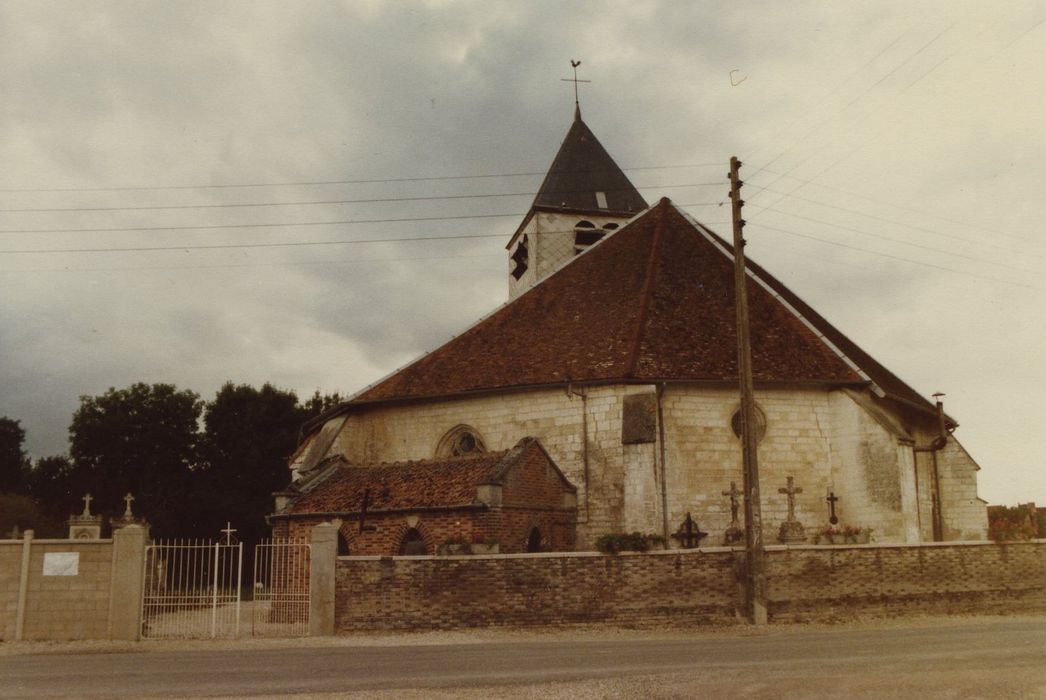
611,226
586,234
760,423
413,543
343,545
520,258
601,200
460,441
534,540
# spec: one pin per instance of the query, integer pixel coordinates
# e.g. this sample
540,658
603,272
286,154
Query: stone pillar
128,581
23,584
323,559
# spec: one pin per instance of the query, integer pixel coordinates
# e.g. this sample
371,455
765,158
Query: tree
318,403
14,463
54,485
26,514
144,440
249,435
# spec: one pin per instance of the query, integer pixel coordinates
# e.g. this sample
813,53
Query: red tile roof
412,485
653,302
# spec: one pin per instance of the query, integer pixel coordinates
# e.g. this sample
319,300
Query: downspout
660,390
933,448
584,440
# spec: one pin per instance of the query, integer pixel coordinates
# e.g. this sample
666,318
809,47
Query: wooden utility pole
756,569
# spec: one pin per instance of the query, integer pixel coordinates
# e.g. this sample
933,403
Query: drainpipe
584,440
933,448
660,390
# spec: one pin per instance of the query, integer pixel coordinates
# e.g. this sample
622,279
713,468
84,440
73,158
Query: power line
143,268
875,200
897,257
334,222
310,183
893,221
230,246
909,243
239,205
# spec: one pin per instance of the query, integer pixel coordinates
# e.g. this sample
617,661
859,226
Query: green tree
141,439
318,403
249,435
14,463
26,514
55,486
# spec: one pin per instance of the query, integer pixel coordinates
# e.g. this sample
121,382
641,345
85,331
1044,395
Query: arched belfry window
585,234
520,258
459,441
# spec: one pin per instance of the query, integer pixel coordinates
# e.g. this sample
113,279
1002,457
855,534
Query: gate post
128,583
322,562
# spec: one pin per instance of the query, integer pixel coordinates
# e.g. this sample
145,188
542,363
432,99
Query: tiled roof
652,302
580,170
409,485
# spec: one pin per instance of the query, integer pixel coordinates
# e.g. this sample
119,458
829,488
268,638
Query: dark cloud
885,141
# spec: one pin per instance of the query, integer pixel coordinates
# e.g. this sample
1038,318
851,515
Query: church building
616,357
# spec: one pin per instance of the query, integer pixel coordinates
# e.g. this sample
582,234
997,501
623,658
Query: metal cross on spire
577,102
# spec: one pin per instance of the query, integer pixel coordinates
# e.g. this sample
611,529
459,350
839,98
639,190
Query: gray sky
893,158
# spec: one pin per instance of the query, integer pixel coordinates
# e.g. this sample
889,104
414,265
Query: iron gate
280,602
192,589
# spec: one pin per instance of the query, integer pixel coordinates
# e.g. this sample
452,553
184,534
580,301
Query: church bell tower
584,197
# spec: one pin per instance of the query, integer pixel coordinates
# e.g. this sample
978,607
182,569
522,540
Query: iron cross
689,534
832,498
790,491
574,64
229,529
733,493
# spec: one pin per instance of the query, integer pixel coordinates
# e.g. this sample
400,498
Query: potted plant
855,534
830,535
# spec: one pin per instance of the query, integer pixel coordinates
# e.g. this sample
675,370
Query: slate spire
585,179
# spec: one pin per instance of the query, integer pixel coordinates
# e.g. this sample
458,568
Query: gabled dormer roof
581,169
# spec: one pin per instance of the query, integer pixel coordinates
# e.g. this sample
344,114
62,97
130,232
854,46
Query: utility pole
756,568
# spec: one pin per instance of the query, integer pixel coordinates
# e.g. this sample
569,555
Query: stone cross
733,493
127,514
229,529
832,498
790,491
689,534
87,505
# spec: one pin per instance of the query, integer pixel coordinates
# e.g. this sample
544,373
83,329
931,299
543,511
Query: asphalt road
980,658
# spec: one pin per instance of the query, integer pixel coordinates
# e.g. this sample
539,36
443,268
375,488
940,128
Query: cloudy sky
189,191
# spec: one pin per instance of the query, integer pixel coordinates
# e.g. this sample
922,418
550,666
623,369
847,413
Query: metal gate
192,589
280,602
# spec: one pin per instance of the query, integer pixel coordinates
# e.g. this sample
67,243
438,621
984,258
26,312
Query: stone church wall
823,439
661,589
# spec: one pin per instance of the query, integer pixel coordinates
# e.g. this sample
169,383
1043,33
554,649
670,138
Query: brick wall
693,587
411,593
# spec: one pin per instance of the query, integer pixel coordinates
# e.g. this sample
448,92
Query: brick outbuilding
514,500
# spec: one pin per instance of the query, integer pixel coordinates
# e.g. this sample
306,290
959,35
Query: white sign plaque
61,563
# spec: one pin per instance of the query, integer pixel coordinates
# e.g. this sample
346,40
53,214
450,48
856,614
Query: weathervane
574,64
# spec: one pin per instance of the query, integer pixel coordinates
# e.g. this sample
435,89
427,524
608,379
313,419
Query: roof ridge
647,290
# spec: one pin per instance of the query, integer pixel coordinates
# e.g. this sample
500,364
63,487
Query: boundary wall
689,587
72,589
